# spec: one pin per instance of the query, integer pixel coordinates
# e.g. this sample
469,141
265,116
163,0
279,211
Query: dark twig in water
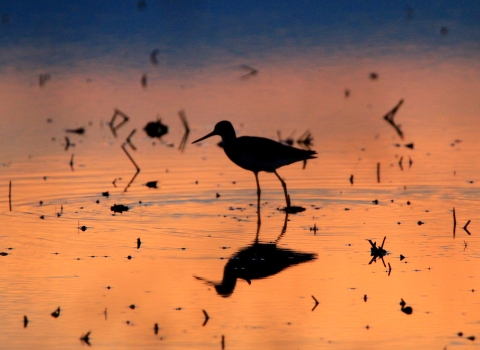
288,140
155,328
223,342
306,139
71,163
135,164
465,227
183,118
67,143
389,118
112,125
139,243
378,172
79,131
153,57
377,252
206,318
454,222
316,303
10,195
389,269
129,141
351,179
85,338
252,71
400,163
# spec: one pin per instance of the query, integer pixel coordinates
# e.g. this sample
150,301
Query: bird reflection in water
257,261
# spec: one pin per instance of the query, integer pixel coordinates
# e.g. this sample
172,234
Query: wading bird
258,154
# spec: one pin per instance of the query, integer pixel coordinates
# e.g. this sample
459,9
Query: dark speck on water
119,208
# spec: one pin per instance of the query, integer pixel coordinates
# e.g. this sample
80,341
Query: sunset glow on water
64,247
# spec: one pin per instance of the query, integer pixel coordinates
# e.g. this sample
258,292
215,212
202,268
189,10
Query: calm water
66,248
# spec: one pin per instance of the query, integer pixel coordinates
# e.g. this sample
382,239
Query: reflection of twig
389,118
10,195
115,127
135,164
377,252
465,227
378,172
183,118
454,222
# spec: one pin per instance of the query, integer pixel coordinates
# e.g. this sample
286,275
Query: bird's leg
284,185
258,199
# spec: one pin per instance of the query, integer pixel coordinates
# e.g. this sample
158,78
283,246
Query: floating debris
132,306
183,118
389,118
129,141
79,131
351,179
156,129
153,57
111,124
71,162
373,76
136,167
155,328
206,318
454,222
143,81
106,194
314,229
347,93
377,252
378,172
405,309
43,78
252,71
139,243
151,184
25,321
56,313
316,303
288,140
465,227
3,254
10,195
85,338
119,208
409,145
306,140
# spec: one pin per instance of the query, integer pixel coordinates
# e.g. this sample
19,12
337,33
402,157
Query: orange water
186,231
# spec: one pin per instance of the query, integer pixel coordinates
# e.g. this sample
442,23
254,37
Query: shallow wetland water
309,281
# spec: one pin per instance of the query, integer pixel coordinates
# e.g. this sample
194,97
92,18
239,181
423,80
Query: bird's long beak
205,137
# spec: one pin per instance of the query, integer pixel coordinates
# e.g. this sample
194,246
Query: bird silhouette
258,153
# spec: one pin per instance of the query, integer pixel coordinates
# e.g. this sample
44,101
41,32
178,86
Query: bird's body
258,153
